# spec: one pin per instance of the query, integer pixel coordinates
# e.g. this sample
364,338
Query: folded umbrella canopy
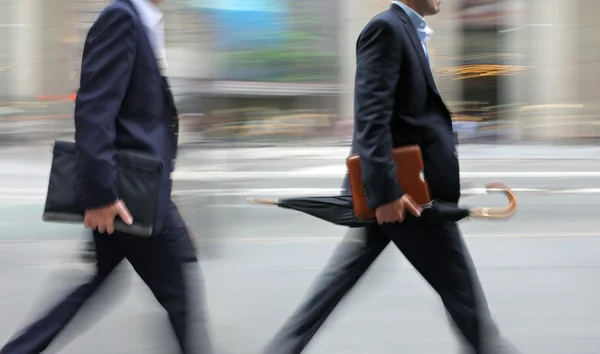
338,210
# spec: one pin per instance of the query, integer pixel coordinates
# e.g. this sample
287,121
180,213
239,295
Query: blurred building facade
521,70
559,41
36,57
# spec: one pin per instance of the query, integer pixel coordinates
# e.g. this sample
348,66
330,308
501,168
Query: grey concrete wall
58,44
41,46
587,40
25,42
5,48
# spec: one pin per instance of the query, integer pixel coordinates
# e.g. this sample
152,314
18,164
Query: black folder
138,185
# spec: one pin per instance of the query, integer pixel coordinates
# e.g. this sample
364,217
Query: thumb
124,213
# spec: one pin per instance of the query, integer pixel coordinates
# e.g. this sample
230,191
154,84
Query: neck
412,5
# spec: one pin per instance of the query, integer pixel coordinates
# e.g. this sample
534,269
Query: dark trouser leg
441,257
350,261
491,339
164,263
36,338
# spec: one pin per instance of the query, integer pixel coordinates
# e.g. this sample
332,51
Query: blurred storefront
540,83
272,68
487,64
529,71
560,89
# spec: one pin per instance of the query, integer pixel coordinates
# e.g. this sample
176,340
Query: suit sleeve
377,75
105,73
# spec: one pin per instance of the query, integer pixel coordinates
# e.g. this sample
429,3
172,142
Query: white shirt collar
150,14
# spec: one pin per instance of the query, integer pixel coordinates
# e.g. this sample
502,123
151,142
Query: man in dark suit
397,103
124,102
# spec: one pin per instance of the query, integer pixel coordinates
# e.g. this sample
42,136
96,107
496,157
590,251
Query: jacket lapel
416,43
156,66
145,39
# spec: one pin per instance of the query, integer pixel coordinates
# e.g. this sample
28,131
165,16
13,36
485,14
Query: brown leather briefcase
409,171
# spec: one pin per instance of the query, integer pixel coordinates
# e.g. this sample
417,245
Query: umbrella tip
261,201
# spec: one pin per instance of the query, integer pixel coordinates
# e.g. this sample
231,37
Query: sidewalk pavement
466,151
42,153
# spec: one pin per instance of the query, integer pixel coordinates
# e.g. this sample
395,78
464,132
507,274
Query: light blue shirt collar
417,20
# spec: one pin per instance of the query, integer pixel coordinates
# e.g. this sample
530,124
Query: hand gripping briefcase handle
409,172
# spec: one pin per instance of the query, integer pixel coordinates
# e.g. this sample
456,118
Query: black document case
138,185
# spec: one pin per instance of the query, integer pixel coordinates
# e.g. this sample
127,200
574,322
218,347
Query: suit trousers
437,252
166,263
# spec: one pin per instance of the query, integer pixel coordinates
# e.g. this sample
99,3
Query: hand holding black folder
103,218
138,185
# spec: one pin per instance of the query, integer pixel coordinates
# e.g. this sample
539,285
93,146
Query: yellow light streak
464,72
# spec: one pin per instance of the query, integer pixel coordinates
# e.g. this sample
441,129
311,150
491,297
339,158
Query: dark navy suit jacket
397,103
123,103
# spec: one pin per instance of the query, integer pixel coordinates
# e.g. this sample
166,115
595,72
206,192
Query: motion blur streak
264,89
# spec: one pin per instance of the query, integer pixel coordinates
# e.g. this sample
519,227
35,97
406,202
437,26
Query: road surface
539,269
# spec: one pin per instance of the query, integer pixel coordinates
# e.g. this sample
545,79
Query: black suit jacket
397,103
123,103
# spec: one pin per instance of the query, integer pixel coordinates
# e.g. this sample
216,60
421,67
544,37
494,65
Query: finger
399,218
413,202
411,206
124,214
110,228
101,228
414,210
86,223
93,225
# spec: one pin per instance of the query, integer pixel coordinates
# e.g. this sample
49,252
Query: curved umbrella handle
497,213
262,201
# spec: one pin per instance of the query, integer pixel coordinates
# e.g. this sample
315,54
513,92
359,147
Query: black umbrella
339,210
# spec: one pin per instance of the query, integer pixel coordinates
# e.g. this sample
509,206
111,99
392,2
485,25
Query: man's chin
434,11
